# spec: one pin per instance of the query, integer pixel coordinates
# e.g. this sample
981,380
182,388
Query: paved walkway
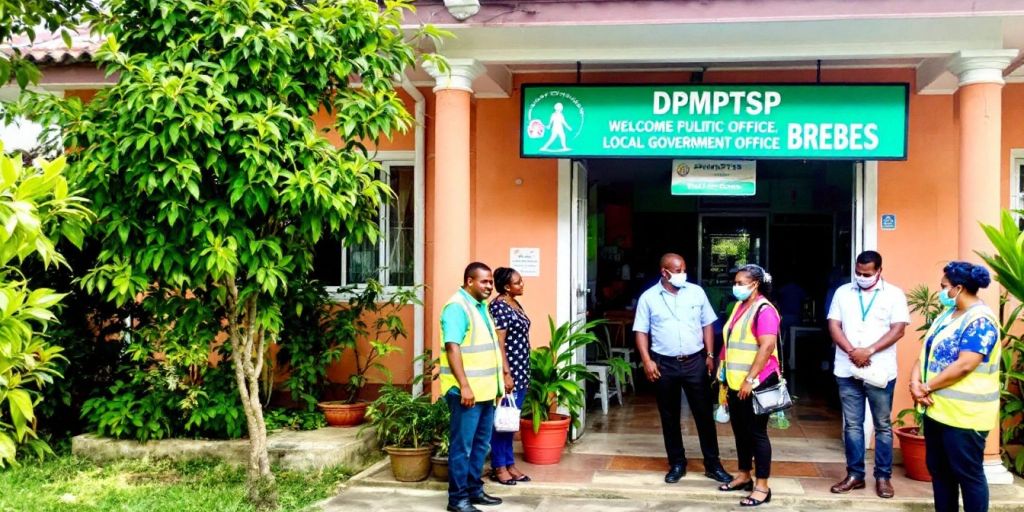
367,499
619,465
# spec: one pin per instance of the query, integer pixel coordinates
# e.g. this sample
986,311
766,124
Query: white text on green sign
753,121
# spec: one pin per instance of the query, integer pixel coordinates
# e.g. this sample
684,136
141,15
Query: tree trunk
247,349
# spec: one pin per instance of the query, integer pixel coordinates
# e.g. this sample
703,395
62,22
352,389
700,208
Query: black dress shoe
675,473
463,506
719,473
484,499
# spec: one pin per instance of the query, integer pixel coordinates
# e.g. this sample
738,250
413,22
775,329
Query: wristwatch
753,381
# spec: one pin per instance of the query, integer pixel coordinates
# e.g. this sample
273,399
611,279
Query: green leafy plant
402,420
440,419
917,417
926,303
295,419
373,316
37,208
555,378
1008,265
159,403
307,351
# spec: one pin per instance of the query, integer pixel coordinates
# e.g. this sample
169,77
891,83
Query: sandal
495,478
521,478
751,502
744,486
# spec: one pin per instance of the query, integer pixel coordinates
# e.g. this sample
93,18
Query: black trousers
955,458
691,377
753,448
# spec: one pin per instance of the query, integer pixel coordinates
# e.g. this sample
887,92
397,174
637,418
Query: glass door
727,242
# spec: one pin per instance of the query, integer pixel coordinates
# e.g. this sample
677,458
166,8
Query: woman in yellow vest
956,381
750,359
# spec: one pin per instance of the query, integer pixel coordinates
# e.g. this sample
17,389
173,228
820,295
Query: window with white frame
391,259
1017,183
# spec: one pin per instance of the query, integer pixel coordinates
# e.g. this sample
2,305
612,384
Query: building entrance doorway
800,225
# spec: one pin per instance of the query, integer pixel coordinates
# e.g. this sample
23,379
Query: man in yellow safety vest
471,381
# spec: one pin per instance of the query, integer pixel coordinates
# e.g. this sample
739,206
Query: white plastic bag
722,413
506,415
872,375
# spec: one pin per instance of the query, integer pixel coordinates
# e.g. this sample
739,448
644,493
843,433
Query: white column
980,74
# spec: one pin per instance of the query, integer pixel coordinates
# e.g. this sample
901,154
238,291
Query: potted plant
554,383
925,302
440,418
374,317
912,444
405,426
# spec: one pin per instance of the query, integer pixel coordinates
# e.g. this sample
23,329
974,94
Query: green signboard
821,121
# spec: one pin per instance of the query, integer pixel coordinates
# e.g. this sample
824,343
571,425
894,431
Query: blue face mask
742,292
946,300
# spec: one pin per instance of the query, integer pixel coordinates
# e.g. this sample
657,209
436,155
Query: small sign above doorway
714,177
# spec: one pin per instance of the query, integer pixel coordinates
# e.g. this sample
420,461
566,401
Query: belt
701,354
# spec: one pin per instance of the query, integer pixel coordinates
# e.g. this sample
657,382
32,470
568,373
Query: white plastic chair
601,371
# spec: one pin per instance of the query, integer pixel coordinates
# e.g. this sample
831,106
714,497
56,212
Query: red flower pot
912,446
544,446
340,414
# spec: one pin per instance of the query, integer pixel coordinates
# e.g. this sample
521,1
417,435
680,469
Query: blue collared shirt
675,322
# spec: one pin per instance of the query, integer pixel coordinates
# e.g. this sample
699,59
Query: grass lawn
72,484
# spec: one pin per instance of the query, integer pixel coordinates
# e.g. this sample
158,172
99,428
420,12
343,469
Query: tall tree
210,181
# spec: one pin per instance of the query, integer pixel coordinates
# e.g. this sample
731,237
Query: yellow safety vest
481,357
973,402
741,344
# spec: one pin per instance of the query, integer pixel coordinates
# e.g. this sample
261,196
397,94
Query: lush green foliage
294,419
555,378
402,420
441,418
1008,265
167,401
72,484
924,302
37,208
318,332
212,183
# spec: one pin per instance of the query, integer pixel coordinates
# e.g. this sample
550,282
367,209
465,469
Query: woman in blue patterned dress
513,328
956,382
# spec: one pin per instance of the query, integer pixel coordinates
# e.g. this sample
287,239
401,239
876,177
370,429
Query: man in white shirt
866,319
675,339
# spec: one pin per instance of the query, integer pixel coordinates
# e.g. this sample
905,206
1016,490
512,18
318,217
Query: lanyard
864,311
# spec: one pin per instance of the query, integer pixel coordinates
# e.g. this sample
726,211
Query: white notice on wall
525,260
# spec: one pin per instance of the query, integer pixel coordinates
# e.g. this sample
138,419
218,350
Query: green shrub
36,210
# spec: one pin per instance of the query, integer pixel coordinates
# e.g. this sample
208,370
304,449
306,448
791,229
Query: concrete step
647,489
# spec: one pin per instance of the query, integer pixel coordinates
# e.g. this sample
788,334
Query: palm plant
1008,265
555,380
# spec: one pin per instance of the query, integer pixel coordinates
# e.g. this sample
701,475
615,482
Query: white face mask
866,282
677,280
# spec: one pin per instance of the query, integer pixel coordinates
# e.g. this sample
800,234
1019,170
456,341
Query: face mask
742,292
866,282
946,300
677,280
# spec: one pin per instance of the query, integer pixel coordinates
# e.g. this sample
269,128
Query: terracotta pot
912,446
410,464
340,414
544,446
439,468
